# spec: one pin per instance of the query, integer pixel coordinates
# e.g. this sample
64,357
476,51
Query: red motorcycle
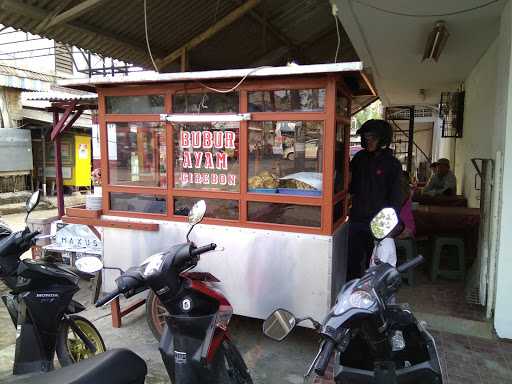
195,344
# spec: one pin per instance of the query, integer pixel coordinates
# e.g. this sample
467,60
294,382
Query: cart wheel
155,315
70,348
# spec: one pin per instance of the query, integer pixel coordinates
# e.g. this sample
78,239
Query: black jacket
375,184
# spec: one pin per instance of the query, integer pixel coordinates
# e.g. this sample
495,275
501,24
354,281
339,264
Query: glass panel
342,104
215,208
339,157
206,156
138,203
137,154
135,104
206,102
286,157
287,100
338,211
279,213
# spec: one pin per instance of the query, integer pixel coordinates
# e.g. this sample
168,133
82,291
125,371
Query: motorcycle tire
235,364
232,371
70,348
155,315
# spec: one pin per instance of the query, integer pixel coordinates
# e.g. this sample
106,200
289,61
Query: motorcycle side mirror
384,222
89,264
279,324
32,202
196,214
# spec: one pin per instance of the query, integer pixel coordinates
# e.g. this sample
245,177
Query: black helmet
380,128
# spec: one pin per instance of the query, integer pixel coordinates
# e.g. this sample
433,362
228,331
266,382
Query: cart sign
205,157
78,238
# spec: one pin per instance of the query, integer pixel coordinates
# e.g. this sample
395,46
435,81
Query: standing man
443,182
375,184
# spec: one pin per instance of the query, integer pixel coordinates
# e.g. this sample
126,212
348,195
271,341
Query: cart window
138,203
215,208
339,157
287,100
206,156
206,102
342,104
147,104
279,213
286,157
137,154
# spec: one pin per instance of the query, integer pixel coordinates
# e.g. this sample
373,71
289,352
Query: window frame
326,201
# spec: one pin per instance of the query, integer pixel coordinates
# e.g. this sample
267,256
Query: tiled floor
467,360
444,297
470,360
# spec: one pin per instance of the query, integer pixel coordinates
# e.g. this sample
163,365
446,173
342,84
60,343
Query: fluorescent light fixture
436,41
204,118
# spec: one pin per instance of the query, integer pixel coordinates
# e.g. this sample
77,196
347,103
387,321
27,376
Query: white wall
479,123
488,129
503,140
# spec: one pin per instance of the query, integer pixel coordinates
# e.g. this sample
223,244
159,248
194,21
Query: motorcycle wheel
232,371
70,348
155,315
235,364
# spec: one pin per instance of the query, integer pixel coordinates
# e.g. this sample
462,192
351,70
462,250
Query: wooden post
116,313
43,145
58,169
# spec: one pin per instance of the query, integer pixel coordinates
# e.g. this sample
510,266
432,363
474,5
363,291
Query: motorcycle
195,345
41,306
374,340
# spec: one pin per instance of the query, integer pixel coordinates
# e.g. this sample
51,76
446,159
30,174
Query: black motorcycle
374,340
41,306
195,346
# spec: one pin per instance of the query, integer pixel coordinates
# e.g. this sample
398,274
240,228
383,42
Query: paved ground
465,360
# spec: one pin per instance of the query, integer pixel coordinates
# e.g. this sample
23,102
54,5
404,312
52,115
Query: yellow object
81,171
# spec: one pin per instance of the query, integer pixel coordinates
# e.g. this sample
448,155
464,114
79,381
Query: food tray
300,192
262,190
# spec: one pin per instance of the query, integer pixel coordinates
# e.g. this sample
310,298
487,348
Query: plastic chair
439,244
408,246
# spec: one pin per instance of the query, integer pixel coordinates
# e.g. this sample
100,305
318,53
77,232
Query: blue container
262,190
299,192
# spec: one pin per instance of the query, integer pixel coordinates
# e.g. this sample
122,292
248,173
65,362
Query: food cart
266,148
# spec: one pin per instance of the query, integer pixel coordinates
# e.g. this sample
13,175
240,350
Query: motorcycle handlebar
325,357
109,297
206,248
410,264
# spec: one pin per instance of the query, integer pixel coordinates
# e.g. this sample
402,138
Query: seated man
443,182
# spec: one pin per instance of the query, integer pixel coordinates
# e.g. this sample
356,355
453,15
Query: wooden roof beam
220,25
265,23
43,24
74,12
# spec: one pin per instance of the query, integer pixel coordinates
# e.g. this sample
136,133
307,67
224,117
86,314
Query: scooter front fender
183,351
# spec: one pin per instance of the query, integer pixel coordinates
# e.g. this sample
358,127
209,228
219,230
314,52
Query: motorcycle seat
116,366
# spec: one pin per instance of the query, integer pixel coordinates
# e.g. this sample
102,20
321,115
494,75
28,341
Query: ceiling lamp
436,41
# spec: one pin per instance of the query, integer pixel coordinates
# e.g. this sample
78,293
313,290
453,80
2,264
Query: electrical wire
147,38
26,50
396,13
237,85
339,38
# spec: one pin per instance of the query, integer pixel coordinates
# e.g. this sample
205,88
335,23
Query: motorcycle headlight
356,299
361,299
153,264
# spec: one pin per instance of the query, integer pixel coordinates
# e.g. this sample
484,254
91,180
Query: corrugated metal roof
21,78
62,94
116,29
